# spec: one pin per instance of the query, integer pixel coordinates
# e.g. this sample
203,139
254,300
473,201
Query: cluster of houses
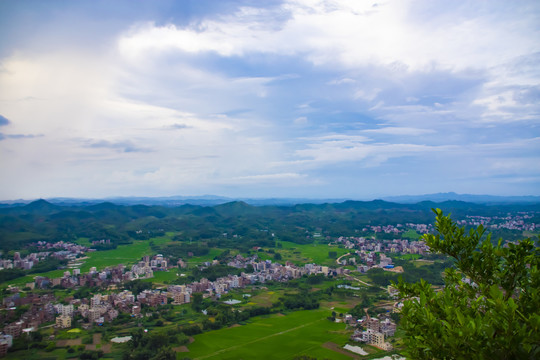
399,228
395,246
41,310
59,250
114,275
263,271
371,260
520,222
376,332
104,308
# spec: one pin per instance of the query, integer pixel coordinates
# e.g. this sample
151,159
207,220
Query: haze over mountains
211,200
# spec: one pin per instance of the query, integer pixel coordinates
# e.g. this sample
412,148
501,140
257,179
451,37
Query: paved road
360,281
339,258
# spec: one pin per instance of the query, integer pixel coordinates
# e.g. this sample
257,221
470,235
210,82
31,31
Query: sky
295,98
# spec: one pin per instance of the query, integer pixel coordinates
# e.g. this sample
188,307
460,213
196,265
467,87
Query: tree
196,301
489,306
165,353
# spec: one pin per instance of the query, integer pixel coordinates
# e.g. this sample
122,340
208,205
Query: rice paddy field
278,336
309,253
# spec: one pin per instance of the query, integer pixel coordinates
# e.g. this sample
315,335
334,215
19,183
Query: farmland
308,253
273,337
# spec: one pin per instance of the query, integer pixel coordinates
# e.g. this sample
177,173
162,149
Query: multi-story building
63,321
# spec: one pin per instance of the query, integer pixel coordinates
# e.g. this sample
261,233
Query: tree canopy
489,307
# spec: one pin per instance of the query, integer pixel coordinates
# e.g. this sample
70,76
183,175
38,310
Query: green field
408,256
272,337
309,253
266,298
161,276
83,241
412,234
123,254
208,257
529,234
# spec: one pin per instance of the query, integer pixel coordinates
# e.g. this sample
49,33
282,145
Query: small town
36,305
101,308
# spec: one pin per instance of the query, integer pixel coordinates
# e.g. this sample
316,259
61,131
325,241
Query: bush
50,346
87,339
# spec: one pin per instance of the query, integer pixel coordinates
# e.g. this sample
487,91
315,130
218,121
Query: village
101,308
44,308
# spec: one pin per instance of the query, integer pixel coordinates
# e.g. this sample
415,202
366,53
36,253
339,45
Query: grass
20,281
161,276
35,354
411,234
83,241
208,257
123,254
309,253
272,337
408,256
30,278
421,262
528,234
266,298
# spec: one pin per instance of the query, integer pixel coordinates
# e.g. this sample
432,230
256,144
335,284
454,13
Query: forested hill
41,220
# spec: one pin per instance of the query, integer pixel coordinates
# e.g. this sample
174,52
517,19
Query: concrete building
63,321
6,341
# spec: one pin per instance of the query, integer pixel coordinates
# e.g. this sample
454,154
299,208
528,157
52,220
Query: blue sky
297,98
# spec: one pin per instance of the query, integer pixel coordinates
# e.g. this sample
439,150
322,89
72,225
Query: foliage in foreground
489,307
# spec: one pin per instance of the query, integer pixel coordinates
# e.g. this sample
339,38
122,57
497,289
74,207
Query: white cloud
302,120
342,81
278,96
100,134
327,32
391,130
279,177
342,148
365,94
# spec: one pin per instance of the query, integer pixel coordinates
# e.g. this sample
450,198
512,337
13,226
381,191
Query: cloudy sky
293,98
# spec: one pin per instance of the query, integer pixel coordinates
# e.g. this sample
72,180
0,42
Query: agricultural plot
312,253
83,241
408,256
123,254
208,257
412,234
30,278
161,276
266,298
272,337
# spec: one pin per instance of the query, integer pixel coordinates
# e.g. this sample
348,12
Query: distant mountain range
212,200
173,201
478,199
